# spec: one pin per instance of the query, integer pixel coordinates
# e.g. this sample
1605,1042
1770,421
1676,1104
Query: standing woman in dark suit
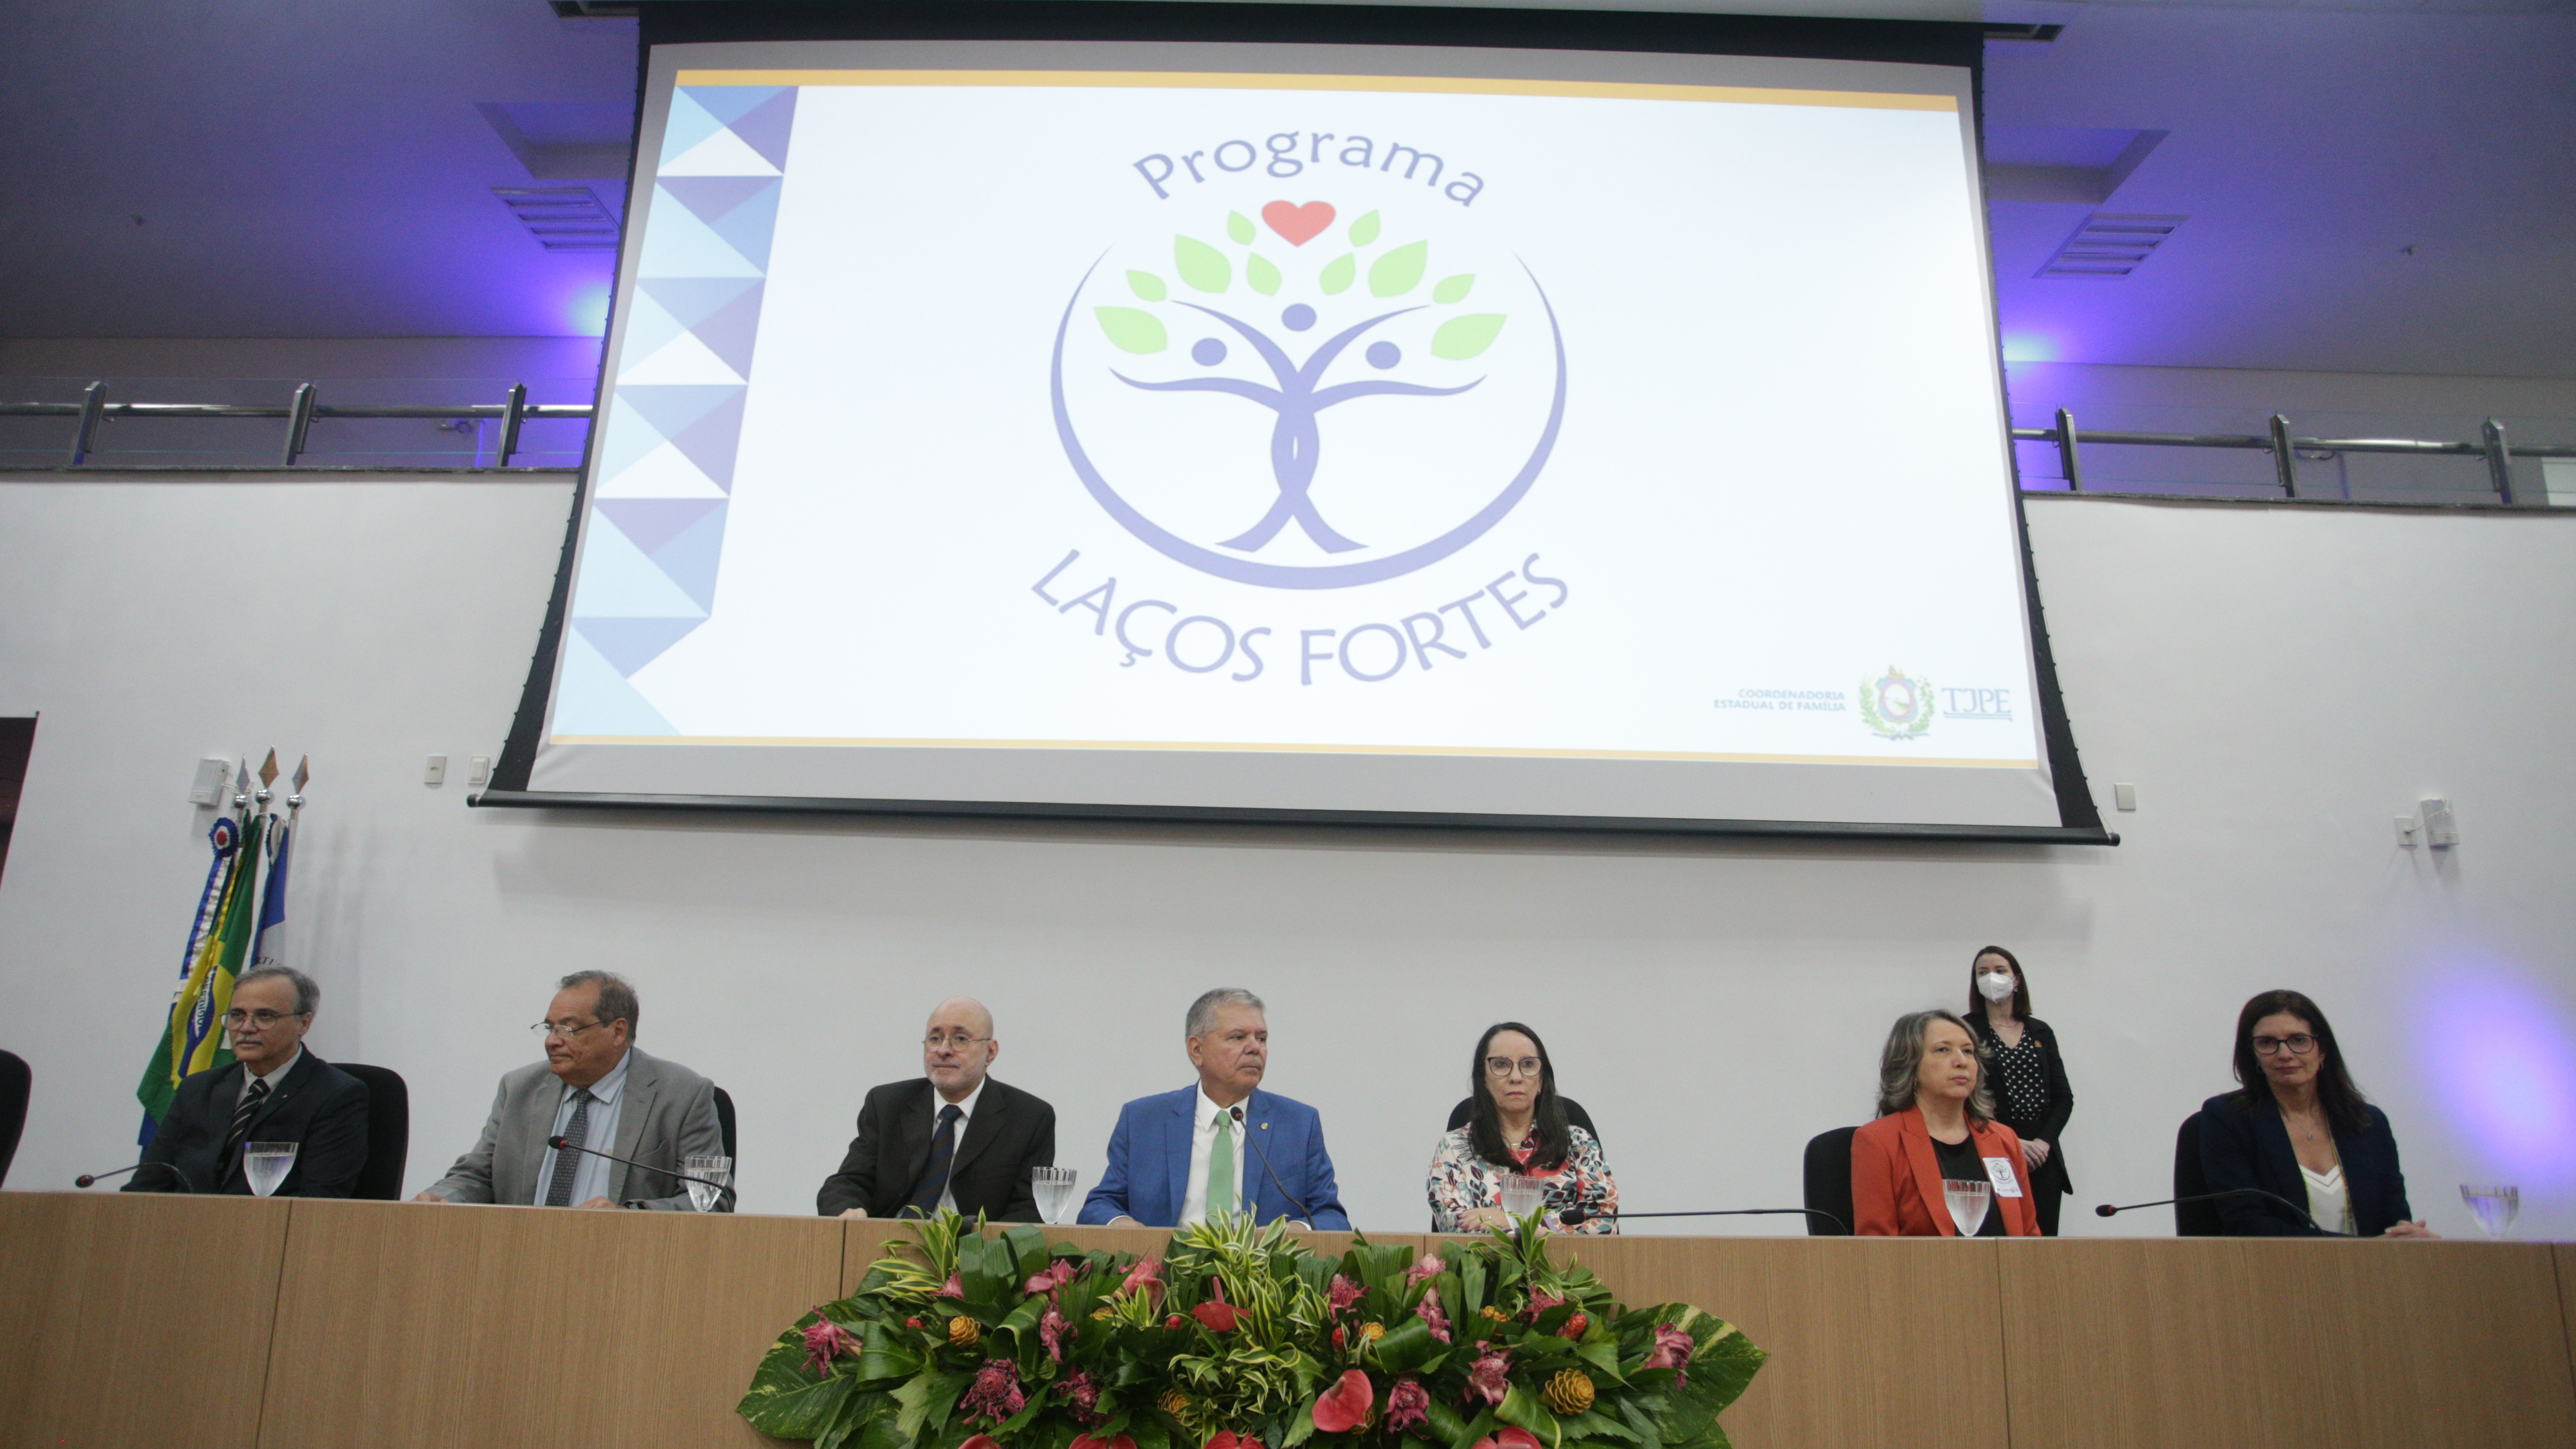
2299,1129
2026,1072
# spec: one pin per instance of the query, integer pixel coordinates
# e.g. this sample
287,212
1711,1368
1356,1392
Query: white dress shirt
1194,1204
590,1178
274,1076
966,1114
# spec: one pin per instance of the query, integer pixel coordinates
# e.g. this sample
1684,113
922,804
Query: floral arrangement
1238,1337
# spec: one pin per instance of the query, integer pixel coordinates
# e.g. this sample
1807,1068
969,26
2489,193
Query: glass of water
1053,1188
1968,1199
718,1172
266,1164
2494,1206
1521,1193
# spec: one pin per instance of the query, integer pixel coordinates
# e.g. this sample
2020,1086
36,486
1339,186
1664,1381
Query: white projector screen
1249,427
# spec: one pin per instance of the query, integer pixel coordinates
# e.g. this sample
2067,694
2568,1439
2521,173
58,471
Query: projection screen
1380,432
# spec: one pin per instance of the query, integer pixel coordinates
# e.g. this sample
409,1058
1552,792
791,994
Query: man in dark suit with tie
272,1091
951,1138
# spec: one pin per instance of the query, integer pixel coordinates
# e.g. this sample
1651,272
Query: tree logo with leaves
1896,706
1199,374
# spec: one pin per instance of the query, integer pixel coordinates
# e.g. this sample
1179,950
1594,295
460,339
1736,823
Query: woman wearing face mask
2025,1072
1935,1124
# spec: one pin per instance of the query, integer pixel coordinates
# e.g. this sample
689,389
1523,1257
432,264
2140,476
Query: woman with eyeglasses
2299,1129
1936,1124
1518,1126
2025,1073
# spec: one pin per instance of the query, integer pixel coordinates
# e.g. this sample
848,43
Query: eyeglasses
565,1029
237,1018
1507,1067
2297,1046
936,1042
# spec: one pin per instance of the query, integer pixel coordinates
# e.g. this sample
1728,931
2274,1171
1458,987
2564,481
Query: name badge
2000,1170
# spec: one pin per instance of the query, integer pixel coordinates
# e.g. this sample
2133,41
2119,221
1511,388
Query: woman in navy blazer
2299,1129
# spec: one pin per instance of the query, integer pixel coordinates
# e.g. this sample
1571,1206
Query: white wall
2278,683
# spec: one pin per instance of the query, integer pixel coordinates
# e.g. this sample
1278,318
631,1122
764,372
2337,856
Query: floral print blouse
1461,1182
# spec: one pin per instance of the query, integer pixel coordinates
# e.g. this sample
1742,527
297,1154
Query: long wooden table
229,1323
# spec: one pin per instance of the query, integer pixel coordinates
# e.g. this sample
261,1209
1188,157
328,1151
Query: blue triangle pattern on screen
652,546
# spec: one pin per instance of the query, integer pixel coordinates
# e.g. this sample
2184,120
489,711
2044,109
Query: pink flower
1085,1441
1082,1401
1054,1332
1488,1378
1345,1406
981,1441
1673,1349
1341,1293
955,1287
1225,1439
1050,1278
1216,1313
1540,1301
826,1341
1514,1437
1407,1404
996,1395
1424,1271
1147,1275
1428,1310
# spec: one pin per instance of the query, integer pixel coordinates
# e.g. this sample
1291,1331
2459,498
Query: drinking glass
2495,1206
1968,1201
717,1170
266,1164
1521,1193
1053,1188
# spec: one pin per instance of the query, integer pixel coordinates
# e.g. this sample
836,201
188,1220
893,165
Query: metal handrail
299,413
2284,448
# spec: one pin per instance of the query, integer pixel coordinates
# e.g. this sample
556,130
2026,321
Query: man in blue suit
1182,1157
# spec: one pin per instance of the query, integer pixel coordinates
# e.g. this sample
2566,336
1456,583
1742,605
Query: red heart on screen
1299,224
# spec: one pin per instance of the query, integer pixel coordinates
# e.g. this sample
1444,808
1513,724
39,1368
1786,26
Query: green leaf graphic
1239,227
1133,331
1453,288
1146,285
1460,338
1201,265
1364,230
1263,276
1337,276
1395,274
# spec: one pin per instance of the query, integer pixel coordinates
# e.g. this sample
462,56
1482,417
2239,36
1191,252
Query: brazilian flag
192,1038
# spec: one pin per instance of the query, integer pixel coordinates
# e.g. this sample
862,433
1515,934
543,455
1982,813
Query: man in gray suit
597,1088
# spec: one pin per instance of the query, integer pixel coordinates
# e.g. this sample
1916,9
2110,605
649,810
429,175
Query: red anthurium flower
1345,1406
1085,1441
1216,1313
981,1441
1515,1437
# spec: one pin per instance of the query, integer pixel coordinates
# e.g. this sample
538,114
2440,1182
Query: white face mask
1995,986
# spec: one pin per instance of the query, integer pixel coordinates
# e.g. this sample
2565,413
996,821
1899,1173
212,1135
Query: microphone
565,1144
1573,1215
1304,1214
87,1178
2108,1210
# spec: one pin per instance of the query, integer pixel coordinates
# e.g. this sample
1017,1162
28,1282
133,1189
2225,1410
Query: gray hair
1901,1064
1202,1019
308,992
616,997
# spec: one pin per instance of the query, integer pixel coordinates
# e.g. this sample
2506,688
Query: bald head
957,1048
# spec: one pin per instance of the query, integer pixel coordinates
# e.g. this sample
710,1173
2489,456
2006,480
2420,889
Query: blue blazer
2239,1148
1149,1163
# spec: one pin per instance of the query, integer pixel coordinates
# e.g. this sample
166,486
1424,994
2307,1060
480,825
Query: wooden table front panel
407,1324
2215,1343
135,1318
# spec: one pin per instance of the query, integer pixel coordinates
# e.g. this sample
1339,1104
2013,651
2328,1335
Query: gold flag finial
268,770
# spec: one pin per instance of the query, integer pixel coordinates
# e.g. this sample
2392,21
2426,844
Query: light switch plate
436,773
2406,834
208,787
2124,797
478,770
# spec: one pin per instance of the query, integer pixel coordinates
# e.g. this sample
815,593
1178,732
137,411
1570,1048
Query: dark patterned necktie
567,1161
943,1151
242,1114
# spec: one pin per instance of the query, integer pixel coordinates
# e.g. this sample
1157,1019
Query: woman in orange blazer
1935,1121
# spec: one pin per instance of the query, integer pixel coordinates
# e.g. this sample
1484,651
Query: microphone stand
2320,1229
1572,1216
87,1178
565,1144
1305,1215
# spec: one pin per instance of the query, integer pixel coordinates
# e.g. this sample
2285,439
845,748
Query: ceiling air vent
562,218
2109,246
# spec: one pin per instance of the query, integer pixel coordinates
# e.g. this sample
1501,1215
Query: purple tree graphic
1299,394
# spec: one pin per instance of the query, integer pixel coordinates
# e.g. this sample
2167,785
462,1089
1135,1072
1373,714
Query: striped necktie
567,1161
242,1114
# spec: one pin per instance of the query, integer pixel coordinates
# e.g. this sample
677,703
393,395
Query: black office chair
2193,1219
15,1082
1828,1173
724,1120
1574,1113
388,1132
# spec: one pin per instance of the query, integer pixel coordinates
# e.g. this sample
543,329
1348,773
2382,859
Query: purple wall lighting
586,309
2502,1060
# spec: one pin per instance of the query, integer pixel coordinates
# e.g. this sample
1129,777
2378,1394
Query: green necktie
1220,1189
